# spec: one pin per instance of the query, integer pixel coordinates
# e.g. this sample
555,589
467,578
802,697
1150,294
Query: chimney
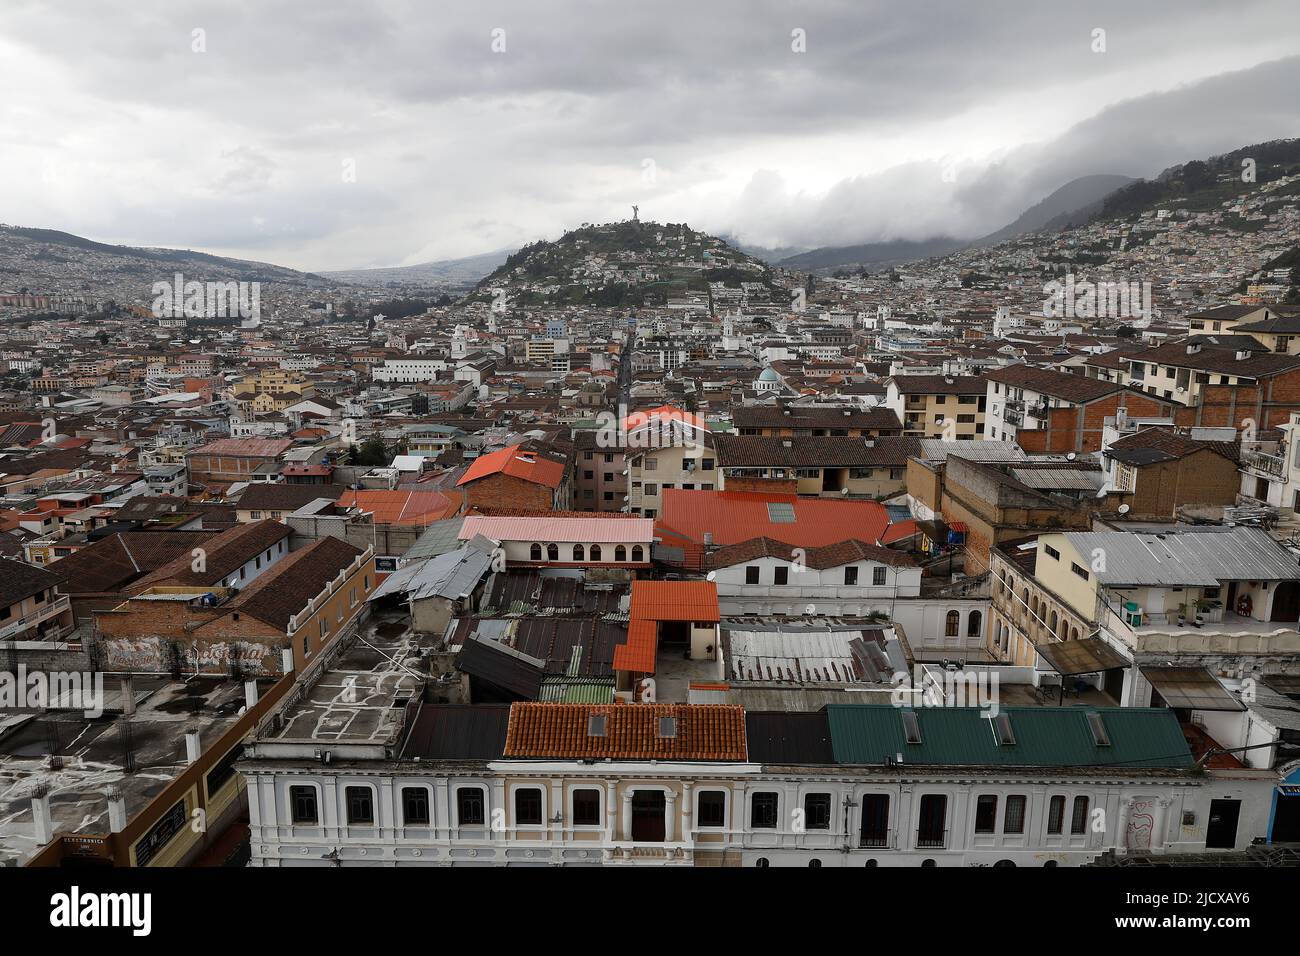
128,696
286,660
192,746
116,810
250,693
708,539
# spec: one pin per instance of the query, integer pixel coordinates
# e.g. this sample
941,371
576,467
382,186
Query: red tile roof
632,732
528,465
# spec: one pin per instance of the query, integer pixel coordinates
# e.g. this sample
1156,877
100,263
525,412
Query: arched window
974,622
1053,624
952,624
1025,599
761,862
1074,633
638,554
535,552
620,553
579,553
815,863
595,552
552,552
1061,630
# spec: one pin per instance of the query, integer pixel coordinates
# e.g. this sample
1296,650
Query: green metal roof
1044,737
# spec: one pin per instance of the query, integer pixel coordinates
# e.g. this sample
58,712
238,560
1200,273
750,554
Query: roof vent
1193,348
1099,736
667,727
596,725
1243,354
911,727
787,444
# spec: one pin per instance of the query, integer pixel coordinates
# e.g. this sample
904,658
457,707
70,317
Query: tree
373,451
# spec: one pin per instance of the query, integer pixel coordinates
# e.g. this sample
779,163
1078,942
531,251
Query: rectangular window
751,574
851,575
780,576
1013,820
931,825
878,577
469,807
713,809
1078,570
817,811
586,808
1055,814
1052,552
415,806
361,805
302,806
1079,818
986,813
528,806
762,811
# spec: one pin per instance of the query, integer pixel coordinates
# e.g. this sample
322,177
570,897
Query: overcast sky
323,135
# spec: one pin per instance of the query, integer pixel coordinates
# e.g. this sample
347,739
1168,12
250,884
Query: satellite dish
1070,457
1123,509
711,576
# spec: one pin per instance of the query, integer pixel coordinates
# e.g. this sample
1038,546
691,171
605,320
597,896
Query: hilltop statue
635,209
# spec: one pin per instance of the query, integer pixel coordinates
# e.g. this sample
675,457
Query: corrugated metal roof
449,575
1045,737
1189,558
972,449
1066,479
807,657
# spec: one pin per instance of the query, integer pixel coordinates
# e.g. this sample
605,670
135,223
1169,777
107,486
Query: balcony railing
54,607
932,841
1272,465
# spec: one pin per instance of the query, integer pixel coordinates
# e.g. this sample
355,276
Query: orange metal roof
655,601
703,732
402,507
736,516
529,466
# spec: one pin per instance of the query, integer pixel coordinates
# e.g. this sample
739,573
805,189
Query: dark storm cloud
446,135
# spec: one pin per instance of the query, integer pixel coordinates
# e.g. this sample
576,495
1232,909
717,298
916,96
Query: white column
626,825
670,816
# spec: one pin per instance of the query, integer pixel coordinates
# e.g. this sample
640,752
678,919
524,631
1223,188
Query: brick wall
507,491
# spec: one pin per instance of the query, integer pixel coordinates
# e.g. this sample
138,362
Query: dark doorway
647,816
674,633
875,820
1286,602
1221,831
1286,820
